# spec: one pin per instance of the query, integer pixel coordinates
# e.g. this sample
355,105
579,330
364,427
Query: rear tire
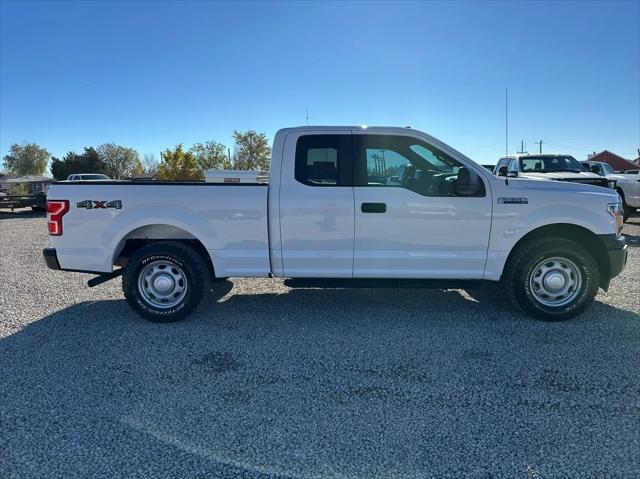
552,279
165,281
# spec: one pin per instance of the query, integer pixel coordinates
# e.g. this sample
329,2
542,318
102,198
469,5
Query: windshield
434,159
546,164
95,177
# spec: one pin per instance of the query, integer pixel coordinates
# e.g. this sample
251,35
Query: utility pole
540,143
307,113
522,147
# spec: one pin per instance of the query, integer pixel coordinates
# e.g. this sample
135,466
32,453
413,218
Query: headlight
615,210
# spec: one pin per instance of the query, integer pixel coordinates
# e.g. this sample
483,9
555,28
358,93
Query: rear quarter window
324,160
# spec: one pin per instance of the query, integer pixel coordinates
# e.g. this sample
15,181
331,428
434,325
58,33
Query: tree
26,159
210,156
251,151
119,161
88,162
178,164
149,163
61,169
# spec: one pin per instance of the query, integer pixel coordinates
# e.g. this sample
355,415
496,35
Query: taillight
56,209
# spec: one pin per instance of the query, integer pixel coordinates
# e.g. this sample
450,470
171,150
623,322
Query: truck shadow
200,392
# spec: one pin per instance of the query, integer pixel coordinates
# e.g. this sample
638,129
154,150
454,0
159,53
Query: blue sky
153,74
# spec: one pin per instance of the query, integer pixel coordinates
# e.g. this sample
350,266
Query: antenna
506,122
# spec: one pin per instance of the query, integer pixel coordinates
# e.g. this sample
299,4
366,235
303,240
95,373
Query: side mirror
468,183
502,171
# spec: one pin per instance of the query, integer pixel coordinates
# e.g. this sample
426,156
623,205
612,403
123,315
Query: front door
409,221
316,205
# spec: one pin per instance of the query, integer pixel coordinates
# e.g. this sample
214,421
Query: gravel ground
266,381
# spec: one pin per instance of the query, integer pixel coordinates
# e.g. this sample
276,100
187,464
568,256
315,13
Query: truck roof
345,127
536,155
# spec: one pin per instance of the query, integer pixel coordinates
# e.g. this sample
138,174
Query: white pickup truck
627,185
343,206
555,167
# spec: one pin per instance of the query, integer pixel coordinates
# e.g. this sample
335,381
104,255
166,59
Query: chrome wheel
162,284
555,281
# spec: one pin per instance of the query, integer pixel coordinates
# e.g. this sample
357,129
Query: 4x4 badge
94,204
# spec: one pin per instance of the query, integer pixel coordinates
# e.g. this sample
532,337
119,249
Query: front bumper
618,252
51,258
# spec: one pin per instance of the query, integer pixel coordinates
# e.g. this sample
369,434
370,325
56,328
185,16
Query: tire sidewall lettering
584,289
180,264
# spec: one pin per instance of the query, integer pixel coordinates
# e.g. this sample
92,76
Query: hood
546,184
557,175
622,176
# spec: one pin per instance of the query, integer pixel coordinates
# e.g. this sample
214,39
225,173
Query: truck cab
600,168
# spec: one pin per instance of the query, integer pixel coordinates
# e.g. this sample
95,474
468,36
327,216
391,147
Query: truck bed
229,220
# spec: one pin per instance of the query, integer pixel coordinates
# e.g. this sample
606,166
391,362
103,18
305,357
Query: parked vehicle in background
626,184
36,202
88,177
556,167
343,206
24,192
600,168
628,187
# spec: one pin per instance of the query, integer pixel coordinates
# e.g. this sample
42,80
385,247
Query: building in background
617,162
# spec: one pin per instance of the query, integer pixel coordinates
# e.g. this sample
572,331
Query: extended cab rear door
316,204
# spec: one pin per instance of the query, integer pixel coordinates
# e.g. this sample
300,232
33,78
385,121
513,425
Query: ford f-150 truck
343,206
555,167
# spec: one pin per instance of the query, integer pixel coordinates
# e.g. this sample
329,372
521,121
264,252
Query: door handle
373,207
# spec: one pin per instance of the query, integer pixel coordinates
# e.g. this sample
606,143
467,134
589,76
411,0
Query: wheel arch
579,234
142,236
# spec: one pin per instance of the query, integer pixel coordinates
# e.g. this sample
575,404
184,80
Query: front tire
553,279
165,281
626,209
